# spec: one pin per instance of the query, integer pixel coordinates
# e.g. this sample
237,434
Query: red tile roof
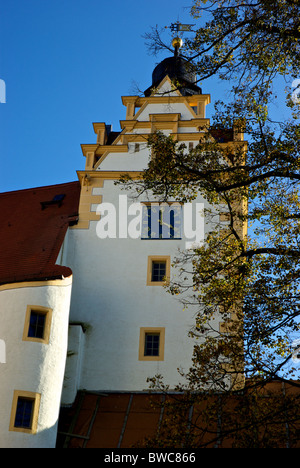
125,420
32,231
113,420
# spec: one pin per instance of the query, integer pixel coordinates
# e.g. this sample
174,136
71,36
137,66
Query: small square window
152,343
25,411
37,324
158,272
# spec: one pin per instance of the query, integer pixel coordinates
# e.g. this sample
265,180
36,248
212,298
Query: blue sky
66,64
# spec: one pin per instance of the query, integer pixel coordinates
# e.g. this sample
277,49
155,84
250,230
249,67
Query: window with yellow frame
25,412
152,344
158,270
37,324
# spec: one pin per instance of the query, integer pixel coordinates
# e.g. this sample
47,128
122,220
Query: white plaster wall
32,366
111,297
126,161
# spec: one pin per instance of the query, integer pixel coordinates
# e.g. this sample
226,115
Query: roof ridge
42,187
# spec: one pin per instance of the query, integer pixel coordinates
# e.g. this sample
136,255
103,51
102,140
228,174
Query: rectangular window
158,271
25,411
37,324
152,343
161,221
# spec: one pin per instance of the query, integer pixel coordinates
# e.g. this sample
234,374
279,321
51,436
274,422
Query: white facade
111,297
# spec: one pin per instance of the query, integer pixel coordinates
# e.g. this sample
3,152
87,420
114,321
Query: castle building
82,272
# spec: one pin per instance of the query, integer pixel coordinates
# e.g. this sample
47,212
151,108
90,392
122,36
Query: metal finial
177,43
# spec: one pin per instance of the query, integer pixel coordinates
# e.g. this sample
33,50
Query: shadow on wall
42,439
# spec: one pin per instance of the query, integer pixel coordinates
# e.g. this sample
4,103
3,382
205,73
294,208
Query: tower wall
112,295
32,368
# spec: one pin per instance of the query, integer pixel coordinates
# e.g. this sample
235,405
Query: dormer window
56,200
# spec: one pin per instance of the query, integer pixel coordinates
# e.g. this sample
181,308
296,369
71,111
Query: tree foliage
247,42
251,280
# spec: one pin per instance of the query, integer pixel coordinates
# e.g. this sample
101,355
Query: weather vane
176,27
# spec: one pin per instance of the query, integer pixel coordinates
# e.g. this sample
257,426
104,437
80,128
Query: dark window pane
161,221
158,271
36,325
151,344
24,413
149,221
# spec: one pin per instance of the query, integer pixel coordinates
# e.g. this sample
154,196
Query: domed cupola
178,69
